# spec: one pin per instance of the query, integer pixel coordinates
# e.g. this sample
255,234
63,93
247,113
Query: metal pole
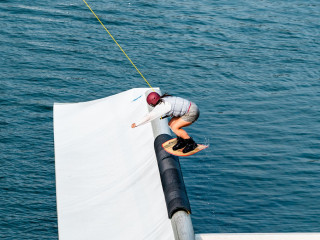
172,183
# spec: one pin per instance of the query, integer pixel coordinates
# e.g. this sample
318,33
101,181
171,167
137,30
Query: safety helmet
153,98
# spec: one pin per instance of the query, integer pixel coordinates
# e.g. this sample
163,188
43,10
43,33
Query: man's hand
133,125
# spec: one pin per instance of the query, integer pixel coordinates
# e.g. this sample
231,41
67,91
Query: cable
118,45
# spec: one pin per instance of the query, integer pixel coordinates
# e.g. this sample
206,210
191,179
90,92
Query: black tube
171,178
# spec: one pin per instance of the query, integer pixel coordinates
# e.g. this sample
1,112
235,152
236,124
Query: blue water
252,67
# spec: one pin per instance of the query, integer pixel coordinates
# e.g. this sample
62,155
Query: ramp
107,178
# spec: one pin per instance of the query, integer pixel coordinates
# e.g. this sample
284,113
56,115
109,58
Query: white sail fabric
107,178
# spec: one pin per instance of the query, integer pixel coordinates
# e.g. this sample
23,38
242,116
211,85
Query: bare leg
172,121
176,124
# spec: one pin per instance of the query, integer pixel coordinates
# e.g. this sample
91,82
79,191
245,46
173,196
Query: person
183,113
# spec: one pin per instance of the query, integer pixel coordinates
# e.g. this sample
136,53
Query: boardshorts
193,114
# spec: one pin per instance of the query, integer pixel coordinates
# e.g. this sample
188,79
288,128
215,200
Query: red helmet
153,98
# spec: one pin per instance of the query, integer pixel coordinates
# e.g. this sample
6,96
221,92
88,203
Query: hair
164,95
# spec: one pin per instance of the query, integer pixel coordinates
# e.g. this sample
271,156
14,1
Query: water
251,66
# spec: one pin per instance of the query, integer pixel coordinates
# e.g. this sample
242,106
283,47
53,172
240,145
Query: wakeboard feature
167,146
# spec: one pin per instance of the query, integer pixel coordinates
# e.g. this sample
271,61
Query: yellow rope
118,45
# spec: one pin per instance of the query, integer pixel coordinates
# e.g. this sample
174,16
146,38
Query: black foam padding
171,178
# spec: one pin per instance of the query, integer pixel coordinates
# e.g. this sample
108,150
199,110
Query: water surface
251,66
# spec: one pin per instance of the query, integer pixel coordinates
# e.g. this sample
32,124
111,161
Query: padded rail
171,178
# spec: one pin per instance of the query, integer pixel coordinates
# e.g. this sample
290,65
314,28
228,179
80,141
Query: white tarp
107,178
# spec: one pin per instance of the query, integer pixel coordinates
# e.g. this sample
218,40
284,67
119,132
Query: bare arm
158,111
